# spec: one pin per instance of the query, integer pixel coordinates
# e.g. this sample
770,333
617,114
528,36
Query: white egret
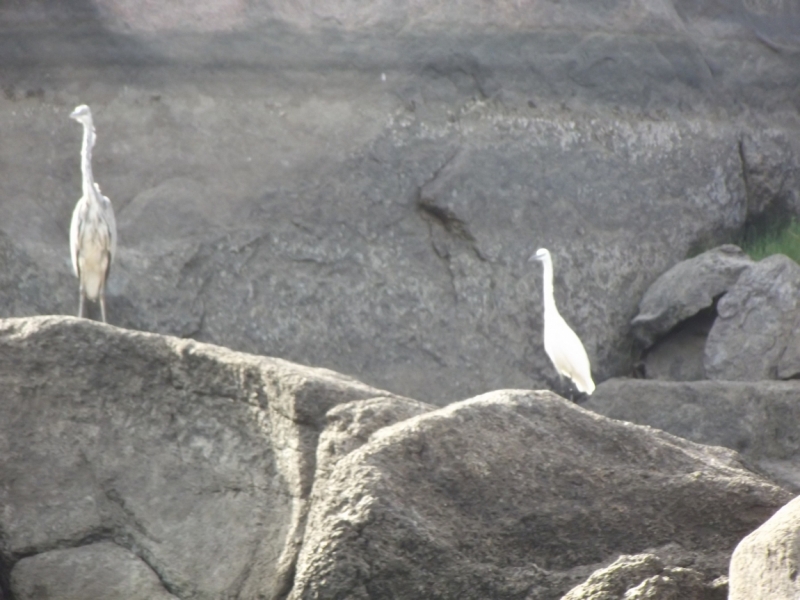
93,231
561,343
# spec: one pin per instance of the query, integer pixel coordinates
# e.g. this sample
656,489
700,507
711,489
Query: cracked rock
102,570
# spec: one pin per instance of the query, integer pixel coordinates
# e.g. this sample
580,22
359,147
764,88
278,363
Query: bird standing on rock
562,345
93,231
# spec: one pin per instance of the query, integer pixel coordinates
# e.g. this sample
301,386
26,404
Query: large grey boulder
686,289
679,309
169,458
359,185
516,494
755,419
766,563
756,321
99,570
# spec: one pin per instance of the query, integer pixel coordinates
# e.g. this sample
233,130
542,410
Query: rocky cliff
359,185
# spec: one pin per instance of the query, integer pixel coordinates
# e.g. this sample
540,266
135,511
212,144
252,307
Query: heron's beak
533,257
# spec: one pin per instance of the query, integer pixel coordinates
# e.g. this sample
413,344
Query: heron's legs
103,305
80,304
561,385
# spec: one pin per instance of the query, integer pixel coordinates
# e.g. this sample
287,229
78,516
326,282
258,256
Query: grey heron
561,343
93,231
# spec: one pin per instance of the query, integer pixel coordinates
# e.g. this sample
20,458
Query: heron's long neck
547,278
86,160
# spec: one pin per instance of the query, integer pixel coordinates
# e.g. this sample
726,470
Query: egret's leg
80,304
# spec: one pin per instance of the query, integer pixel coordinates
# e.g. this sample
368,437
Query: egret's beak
533,257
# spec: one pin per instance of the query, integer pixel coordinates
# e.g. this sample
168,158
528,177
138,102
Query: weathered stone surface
359,185
756,320
504,495
197,459
644,577
756,419
676,584
686,289
766,563
102,570
350,425
20,285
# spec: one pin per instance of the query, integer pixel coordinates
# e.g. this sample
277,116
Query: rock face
755,419
359,185
757,320
509,494
182,467
765,564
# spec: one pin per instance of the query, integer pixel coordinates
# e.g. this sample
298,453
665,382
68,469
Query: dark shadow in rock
678,355
5,587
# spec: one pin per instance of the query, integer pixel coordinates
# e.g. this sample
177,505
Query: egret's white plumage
562,345
93,231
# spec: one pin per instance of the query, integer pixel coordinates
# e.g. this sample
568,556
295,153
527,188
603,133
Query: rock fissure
197,327
254,247
130,518
748,194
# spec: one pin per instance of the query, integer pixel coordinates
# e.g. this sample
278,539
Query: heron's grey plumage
93,231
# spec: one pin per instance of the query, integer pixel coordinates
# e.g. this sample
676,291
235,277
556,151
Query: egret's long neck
86,159
547,279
